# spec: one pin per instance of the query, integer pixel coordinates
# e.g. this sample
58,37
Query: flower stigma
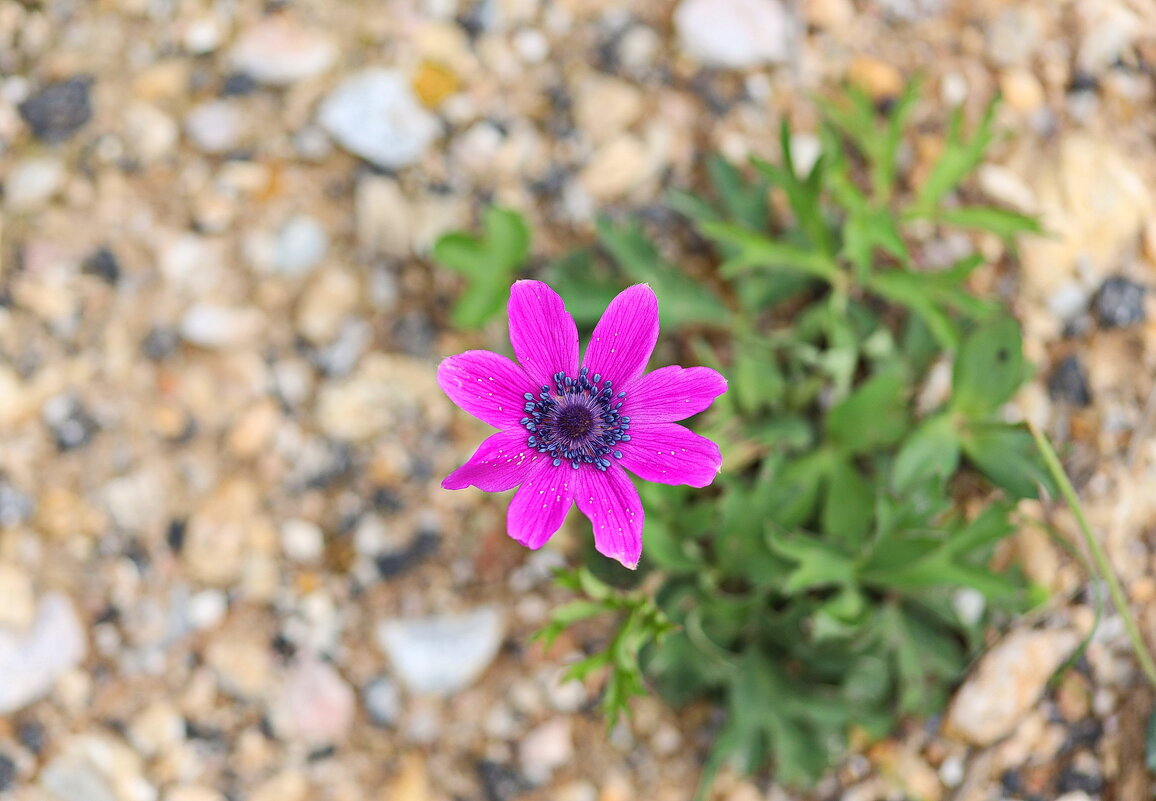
579,421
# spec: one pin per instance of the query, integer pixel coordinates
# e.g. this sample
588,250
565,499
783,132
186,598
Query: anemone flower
568,433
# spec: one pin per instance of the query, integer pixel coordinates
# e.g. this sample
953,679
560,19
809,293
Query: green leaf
912,291
756,379
820,564
1007,455
588,289
848,507
873,416
803,196
742,200
931,452
754,250
989,367
793,495
489,263
959,157
685,301
1001,222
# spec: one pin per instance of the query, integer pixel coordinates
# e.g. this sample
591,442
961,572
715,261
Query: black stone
72,427
1072,781
424,545
175,536
500,782
283,646
238,84
1068,383
414,333
1011,781
1084,82
1119,303
1085,733
160,343
103,264
387,500
58,110
31,735
7,772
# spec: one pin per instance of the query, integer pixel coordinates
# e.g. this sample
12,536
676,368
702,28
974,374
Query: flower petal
501,462
668,453
540,504
487,385
611,502
671,394
542,332
624,338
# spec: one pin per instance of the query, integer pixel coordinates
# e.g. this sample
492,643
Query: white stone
318,704
383,701
374,114
545,749
736,33
533,47
442,654
207,608
203,36
969,604
17,601
302,540
279,51
212,326
32,661
32,183
157,729
215,126
150,133
952,771
301,244
1007,683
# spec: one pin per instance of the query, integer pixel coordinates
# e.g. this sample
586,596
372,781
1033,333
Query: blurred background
227,568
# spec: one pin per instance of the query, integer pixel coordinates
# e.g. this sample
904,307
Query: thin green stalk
1107,573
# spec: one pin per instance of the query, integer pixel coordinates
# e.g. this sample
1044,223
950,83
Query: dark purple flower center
577,421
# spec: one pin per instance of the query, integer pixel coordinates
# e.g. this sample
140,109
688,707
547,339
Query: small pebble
32,661
57,111
736,33
546,748
103,264
383,701
301,244
7,773
1069,383
318,703
375,114
278,51
215,126
442,654
1119,303
500,782
32,183
302,540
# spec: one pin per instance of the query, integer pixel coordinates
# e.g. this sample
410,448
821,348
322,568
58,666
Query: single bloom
568,433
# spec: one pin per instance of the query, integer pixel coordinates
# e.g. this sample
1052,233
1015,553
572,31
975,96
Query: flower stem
1107,573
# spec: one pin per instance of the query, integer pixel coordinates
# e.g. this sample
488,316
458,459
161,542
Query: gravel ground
227,570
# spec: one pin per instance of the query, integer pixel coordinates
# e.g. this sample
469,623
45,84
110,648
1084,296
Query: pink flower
567,433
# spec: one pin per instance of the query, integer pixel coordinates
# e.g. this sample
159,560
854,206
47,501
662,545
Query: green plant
488,263
817,589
